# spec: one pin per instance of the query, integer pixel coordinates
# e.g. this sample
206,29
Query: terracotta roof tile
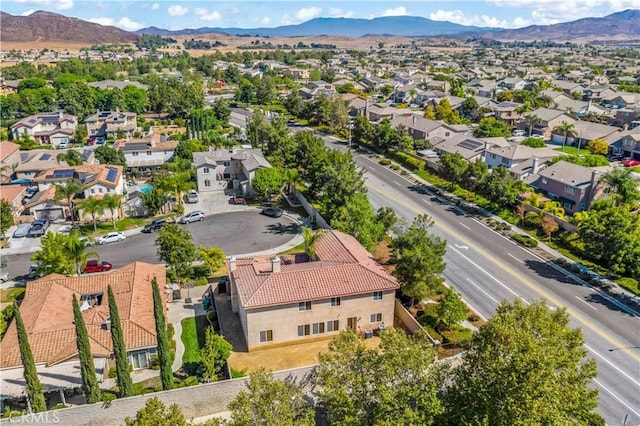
48,317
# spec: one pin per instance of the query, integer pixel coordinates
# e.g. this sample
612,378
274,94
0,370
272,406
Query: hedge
525,240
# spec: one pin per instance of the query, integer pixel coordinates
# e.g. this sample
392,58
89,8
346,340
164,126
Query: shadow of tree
281,229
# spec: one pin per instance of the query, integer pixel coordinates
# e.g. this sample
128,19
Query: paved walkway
179,310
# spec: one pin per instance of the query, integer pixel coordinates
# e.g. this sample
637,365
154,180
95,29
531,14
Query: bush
155,362
385,162
473,318
200,281
107,397
112,374
525,240
630,284
191,381
457,335
395,167
534,143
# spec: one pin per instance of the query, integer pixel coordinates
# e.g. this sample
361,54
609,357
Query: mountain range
46,26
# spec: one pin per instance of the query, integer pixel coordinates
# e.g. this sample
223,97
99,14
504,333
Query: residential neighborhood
173,220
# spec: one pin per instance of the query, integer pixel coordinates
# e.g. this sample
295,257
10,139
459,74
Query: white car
192,197
194,216
111,237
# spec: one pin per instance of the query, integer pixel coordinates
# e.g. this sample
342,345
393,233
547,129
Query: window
335,301
100,190
376,317
318,327
226,176
505,160
139,360
304,330
569,189
304,306
207,183
266,336
92,299
544,180
333,325
148,152
227,163
377,295
93,190
135,153
206,170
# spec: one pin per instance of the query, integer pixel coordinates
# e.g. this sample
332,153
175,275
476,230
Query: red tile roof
48,315
343,268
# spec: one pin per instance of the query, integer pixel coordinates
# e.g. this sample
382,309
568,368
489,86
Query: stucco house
48,128
513,155
221,169
549,119
291,298
109,123
48,316
9,159
150,151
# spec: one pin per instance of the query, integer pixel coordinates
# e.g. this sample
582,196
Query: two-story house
148,152
549,119
506,111
222,170
291,298
469,147
9,160
48,128
35,162
513,155
512,83
111,123
630,143
314,89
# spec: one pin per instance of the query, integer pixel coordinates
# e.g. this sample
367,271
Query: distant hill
46,26
349,27
617,26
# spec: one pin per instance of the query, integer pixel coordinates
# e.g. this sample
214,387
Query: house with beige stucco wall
291,298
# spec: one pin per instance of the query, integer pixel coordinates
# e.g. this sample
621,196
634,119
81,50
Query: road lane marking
397,183
612,365
464,226
541,291
482,290
586,303
513,257
491,276
610,392
427,202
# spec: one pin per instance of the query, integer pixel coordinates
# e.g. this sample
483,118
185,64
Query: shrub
200,281
108,397
385,162
191,381
112,374
473,318
630,284
155,363
457,335
534,143
525,240
395,167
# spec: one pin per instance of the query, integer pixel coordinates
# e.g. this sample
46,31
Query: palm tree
68,192
531,121
566,130
113,202
71,157
93,206
76,247
7,171
622,185
310,239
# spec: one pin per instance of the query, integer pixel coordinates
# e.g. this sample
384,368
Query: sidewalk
179,310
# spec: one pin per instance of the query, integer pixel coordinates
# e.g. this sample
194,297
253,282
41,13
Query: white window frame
377,317
377,295
266,336
304,306
335,302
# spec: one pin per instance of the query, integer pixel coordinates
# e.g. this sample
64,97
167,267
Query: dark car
97,266
39,227
154,226
272,212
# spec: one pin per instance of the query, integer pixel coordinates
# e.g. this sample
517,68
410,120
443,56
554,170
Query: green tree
395,383
445,112
51,258
176,249
356,217
566,130
113,202
531,120
153,200
549,226
123,377
212,257
502,188
77,98
156,413
453,167
310,239
71,157
68,192
108,155
6,216
475,175
451,309
622,185
164,356
135,99
90,387
94,207
267,182
598,146
491,127
75,249
269,401
534,143
35,390
214,354
420,258
525,366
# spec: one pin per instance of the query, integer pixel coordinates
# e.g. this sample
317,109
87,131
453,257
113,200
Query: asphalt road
235,233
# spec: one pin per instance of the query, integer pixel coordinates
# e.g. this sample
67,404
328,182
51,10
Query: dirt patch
382,254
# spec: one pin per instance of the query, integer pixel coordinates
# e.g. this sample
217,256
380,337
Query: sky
174,15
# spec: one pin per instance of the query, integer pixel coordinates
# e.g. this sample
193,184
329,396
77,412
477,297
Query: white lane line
586,303
610,392
397,183
464,226
427,202
482,290
634,381
491,276
512,256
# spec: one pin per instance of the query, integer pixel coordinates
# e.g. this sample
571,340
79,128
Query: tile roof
48,316
343,267
11,192
7,148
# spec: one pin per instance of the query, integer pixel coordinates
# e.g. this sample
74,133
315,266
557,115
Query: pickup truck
38,228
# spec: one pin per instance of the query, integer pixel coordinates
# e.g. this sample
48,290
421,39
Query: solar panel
469,144
111,175
63,173
44,157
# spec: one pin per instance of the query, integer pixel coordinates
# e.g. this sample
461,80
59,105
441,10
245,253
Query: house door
139,360
352,323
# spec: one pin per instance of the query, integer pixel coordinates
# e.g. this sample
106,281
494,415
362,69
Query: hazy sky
133,15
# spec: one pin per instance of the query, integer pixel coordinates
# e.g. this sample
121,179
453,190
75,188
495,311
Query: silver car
22,231
194,216
111,237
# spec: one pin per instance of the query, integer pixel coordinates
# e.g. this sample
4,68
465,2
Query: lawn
193,337
104,227
572,150
11,294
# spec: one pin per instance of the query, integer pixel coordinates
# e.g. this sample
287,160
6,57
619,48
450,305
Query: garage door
557,138
51,214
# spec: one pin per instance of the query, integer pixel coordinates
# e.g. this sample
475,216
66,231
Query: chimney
592,189
275,264
232,263
415,118
535,166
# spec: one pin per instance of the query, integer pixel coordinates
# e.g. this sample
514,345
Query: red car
97,266
630,163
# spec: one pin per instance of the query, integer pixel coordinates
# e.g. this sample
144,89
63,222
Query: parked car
97,266
194,216
111,237
39,227
272,212
537,137
154,225
33,269
630,162
518,133
63,145
87,242
4,276
22,231
192,197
